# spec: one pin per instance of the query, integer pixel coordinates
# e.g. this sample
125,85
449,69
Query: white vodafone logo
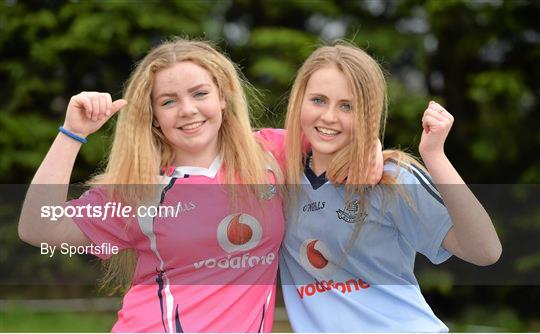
314,258
239,232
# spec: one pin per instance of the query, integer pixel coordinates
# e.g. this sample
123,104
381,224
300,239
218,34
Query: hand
88,111
436,122
376,165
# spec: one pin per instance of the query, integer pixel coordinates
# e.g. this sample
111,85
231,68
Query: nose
186,109
329,115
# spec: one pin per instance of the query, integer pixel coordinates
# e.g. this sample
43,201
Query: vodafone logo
239,232
314,257
348,286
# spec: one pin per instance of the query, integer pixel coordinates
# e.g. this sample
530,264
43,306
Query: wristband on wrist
72,135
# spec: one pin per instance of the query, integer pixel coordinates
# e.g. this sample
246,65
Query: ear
222,103
155,123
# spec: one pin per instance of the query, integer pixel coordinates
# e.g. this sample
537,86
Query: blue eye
346,107
317,100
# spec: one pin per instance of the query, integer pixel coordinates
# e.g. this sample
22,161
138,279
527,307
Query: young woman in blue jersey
348,254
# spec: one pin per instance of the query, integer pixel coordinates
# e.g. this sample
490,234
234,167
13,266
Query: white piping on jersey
170,300
210,172
266,307
147,227
420,174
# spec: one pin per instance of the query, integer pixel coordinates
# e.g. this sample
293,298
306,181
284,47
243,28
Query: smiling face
326,115
188,108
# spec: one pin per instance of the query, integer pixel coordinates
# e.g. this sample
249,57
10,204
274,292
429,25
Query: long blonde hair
349,165
139,149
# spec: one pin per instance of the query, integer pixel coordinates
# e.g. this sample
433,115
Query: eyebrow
197,87
190,90
166,95
326,97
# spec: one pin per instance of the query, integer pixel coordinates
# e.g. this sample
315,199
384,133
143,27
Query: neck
203,160
320,162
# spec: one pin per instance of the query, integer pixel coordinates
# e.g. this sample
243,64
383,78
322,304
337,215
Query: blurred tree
52,50
478,57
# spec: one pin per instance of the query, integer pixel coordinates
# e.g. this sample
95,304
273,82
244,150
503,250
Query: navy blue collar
315,181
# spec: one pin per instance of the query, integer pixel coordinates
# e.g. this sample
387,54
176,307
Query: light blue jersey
333,284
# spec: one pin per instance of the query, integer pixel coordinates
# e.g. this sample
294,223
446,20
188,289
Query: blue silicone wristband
72,135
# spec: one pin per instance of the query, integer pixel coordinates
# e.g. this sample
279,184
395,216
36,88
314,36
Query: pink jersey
211,267
274,141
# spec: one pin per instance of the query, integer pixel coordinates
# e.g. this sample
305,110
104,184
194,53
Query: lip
324,136
192,130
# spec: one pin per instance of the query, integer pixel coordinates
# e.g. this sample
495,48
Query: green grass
27,321
22,321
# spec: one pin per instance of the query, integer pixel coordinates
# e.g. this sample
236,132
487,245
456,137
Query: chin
324,149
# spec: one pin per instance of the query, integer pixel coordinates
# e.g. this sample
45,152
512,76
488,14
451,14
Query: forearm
49,187
86,113
58,164
476,240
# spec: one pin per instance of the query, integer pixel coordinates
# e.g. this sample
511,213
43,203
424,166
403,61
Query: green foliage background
479,58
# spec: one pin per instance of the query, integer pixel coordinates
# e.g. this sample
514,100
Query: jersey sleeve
273,140
98,222
420,214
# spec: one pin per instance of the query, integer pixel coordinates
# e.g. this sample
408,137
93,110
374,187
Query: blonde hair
139,149
368,85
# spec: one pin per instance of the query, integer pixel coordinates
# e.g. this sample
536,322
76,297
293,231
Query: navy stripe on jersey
159,278
177,321
262,319
169,186
426,182
159,281
426,176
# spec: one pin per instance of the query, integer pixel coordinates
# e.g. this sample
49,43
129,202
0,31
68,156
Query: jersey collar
315,181
186,171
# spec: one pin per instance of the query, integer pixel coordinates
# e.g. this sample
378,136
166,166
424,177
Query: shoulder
271,136
95,195
407,173
273,141
416,180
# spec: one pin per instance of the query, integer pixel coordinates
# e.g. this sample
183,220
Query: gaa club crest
351,213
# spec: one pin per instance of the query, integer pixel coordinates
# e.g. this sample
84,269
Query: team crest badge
268,192
351,213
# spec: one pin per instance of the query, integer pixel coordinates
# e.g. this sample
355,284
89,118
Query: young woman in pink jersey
348,254
213,265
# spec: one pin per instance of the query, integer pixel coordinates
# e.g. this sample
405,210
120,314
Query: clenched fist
437,123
